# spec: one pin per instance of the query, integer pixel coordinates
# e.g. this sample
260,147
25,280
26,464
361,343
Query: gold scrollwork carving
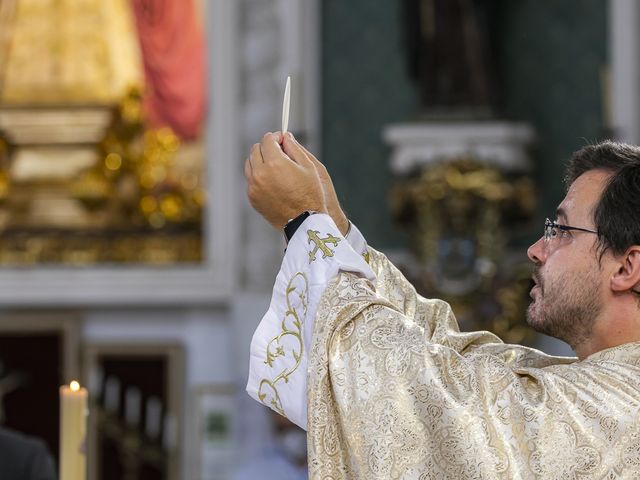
297,296
462,215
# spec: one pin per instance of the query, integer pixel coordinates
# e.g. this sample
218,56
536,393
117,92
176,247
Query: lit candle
73,427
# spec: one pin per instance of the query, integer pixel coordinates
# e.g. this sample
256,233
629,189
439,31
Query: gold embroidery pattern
297,295
321,244
398,392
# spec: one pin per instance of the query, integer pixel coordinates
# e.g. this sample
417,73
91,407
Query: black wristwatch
293,224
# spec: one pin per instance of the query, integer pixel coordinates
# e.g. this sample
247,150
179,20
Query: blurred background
130,258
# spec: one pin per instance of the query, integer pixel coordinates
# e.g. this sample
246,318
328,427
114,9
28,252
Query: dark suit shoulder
24,458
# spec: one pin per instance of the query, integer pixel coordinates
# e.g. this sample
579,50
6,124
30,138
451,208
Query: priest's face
568,292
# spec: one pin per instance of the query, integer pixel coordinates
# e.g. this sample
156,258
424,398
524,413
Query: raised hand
294,149
282,184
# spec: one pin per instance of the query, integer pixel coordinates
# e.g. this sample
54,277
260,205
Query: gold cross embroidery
321,244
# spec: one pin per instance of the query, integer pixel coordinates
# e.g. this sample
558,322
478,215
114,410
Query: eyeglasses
553,230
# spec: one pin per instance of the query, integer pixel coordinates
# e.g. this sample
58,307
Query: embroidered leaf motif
297,295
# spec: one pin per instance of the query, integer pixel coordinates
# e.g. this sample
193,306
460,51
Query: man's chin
535,317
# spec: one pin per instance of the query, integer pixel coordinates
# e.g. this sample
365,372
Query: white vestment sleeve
357,240
280,344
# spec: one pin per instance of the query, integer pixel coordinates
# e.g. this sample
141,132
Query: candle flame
74,386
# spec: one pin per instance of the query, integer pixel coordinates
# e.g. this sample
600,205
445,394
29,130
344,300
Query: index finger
270,148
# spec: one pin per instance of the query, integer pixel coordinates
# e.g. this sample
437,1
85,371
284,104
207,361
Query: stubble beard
566,307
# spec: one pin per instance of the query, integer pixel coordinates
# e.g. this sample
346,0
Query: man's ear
627,277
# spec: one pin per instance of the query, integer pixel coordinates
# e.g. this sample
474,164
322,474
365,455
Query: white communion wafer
285,105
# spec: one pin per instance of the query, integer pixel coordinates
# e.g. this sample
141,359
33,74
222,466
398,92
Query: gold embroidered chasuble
394,390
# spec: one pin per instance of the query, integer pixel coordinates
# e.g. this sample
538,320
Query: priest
388,387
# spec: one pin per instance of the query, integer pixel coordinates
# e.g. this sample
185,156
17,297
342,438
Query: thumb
295,151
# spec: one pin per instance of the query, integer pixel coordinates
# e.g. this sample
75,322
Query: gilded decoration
89,173
397,391
288,345
320,244
67,52
462,216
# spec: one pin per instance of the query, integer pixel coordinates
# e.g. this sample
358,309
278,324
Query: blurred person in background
24,458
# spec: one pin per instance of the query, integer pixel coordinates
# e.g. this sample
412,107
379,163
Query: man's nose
536,252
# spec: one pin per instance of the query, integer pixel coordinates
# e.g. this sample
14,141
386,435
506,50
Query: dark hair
617,214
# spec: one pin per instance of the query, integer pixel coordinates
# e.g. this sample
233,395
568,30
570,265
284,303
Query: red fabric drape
173,51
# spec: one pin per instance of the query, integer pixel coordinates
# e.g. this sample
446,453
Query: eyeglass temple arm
568,227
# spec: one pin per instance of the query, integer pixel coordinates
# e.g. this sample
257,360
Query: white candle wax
73,428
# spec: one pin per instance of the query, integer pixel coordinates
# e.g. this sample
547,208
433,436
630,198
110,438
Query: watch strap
292,225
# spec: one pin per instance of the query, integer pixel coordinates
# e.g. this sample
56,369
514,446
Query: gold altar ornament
461,215
84,178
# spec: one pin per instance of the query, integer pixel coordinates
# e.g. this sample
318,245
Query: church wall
553,63
204,334
364,87
551,56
